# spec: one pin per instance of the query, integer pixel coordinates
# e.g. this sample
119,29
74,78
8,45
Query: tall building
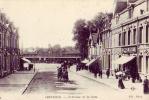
124,45
100,44
130,37
9,46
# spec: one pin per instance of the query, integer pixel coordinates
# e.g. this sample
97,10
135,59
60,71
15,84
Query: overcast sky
41,22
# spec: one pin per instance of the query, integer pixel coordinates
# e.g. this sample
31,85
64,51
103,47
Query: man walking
108,73
100,73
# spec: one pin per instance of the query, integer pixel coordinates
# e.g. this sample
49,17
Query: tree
57,50
50,49
42,51
82,29
102,21
92,27
81,36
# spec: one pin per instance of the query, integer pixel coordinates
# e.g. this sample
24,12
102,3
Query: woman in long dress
146,85
120,83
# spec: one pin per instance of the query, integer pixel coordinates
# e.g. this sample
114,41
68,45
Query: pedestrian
34,67
146,85
65,75
108,73
67,78
100,73
59,75
96,70
120,83
116,76
77,67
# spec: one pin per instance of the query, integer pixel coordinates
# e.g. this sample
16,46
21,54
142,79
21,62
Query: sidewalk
16,83
112,82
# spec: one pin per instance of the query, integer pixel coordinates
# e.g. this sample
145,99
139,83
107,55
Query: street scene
74,49
44,83
78,86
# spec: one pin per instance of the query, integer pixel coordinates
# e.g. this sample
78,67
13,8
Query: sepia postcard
74,49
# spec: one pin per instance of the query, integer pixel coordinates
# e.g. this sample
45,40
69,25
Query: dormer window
141,11
1,41
130,11
117,18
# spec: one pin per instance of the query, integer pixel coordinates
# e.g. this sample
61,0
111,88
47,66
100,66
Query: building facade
9,46
100,45
93,46
130,34
106,52
127,36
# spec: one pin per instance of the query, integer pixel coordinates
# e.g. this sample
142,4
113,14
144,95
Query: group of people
62,72
80,66
99,72
145,84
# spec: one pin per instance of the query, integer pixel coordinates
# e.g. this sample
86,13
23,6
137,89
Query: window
147,60
1,41
130,12
119,39
5,62
140,64
140,35
129,32
141,11
134,36
8,41
1,60
117,18
147,33
147,5
124,37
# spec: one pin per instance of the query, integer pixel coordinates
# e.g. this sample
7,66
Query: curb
97,81
26,86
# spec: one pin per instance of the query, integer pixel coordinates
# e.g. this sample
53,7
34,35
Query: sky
43,22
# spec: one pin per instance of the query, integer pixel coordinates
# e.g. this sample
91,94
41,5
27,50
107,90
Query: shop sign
128,50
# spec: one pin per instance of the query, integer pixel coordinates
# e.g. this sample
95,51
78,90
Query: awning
89,63
26,60
85,61
123,59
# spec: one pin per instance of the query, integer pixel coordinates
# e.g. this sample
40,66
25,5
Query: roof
120,5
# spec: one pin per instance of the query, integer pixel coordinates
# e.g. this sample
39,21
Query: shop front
127,62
